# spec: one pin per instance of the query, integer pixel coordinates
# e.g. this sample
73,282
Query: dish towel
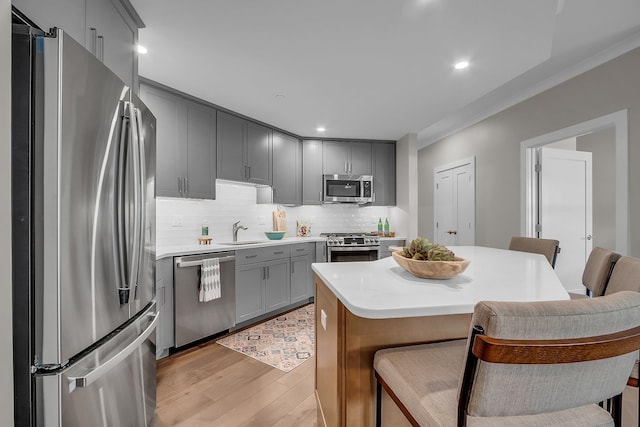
210,288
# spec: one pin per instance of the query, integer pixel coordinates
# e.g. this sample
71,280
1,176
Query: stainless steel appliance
347,189
195,320
83,238
344,247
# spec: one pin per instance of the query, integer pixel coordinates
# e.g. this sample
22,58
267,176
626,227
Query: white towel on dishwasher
210,288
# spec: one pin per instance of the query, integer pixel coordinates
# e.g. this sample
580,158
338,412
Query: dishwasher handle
181,263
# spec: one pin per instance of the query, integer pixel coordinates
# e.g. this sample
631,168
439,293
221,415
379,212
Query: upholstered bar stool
625,276
546,247
527,364
597,272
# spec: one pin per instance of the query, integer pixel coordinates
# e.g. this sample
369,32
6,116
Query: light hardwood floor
211,385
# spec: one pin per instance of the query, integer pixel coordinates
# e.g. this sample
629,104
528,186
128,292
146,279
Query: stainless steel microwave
347,189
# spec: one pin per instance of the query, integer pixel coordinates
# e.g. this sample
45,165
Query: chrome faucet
237,227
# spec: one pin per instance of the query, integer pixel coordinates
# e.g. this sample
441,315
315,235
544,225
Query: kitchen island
364,306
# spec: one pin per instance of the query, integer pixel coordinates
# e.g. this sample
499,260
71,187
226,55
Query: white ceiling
377,69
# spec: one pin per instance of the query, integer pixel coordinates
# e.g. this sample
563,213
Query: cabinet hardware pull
94,40
250,256
100,52
179,185
264,273
300,250
186,184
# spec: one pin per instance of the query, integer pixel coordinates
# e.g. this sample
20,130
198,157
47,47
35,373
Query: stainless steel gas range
344,247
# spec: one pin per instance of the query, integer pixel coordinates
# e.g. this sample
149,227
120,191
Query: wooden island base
345,384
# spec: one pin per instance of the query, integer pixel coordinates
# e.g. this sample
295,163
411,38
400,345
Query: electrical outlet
261,220
177,221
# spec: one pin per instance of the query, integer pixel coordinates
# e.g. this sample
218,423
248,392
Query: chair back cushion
503,389
546,247
598,269
625,276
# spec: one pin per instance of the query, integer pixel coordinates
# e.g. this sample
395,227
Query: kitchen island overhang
364,306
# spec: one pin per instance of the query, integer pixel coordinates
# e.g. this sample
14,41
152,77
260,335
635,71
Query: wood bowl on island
431,269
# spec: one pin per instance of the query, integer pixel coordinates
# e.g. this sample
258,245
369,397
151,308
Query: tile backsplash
179,221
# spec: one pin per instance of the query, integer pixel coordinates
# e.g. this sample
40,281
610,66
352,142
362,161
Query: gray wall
6,355
601,144
495,142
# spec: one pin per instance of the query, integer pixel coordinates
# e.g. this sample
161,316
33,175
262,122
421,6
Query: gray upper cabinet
200,168
287,170
244,150
112,38
311,172
106,28
346,158
185,144
66,14
169,112
258,153
231,136
384,174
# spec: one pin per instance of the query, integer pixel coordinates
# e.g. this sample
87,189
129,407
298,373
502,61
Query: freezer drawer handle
181,263
101,370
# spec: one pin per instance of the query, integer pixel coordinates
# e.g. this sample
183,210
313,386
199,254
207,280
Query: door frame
461,162
528,181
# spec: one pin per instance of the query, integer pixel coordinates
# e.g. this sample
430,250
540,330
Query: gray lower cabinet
350,158
302,255
277,285
385,244
287,170
384,174
244,151
185,144
262,281
321,252
164,299
311,172
272,278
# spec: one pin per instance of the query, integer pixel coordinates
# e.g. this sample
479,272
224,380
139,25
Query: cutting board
279,221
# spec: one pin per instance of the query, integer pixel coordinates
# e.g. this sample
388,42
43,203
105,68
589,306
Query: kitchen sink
246,242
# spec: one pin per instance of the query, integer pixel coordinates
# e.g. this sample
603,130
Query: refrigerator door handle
143,199
91,377
135,162
119,216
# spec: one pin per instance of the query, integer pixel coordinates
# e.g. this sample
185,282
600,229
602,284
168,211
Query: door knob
589,237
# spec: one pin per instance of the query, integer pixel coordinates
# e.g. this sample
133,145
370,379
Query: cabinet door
230,147
384,174
117,38
287,171
335,157
66,14
170,142
360,160
258,154
311,172
300,278
277,285
164,297
201,148
249,291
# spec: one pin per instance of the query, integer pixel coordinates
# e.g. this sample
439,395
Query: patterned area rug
283,342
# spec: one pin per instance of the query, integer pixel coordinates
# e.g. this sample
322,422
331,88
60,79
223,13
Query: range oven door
352,253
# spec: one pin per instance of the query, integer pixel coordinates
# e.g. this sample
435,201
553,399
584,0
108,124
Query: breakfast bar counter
364,306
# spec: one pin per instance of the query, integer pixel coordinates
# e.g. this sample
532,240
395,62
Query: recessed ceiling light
280,96
142,49
320,129
461,65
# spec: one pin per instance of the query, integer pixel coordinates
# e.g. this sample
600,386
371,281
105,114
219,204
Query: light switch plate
323,319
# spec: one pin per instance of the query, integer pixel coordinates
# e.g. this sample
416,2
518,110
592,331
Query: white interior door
454,200
565,210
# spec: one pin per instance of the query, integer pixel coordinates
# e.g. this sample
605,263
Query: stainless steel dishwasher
195,320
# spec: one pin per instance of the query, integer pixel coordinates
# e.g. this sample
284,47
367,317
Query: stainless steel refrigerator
83,200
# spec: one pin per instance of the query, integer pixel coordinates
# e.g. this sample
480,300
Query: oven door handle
349,248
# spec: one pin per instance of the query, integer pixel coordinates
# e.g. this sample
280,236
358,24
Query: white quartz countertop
382,289
180,250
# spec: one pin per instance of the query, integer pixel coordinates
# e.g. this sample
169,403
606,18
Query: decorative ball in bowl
431,269
274,235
